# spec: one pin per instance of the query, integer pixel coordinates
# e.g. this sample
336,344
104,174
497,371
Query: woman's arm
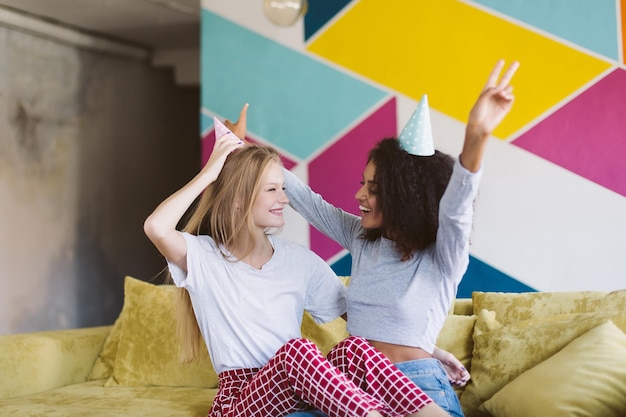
456,206
492,105
160,226
332,221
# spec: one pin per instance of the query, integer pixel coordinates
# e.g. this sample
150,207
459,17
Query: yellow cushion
587,378
103,366
511,307
456,337
147,351
324,335
502,353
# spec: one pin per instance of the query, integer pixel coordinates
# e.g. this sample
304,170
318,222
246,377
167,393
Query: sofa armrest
463,307
35,362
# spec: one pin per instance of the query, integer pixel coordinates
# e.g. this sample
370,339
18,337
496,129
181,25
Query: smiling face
371,217
267,209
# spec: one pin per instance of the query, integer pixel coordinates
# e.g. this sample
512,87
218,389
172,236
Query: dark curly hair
408,191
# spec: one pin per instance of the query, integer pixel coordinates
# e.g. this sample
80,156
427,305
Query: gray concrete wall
89,145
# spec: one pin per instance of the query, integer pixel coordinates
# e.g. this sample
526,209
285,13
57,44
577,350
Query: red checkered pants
355,380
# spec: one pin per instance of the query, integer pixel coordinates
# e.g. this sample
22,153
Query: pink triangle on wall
336,172
586,136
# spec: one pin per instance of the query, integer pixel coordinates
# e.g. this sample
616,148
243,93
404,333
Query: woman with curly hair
411,185
410,245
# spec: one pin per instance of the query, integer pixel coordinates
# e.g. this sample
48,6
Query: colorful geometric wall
551,212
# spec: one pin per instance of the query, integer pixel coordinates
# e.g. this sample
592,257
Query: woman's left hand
494,102
239,127
457,374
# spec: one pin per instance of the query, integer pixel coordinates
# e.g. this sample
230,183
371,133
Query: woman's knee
355,341
299,346
352,343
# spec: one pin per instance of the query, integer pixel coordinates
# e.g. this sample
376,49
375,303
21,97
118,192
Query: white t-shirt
246,314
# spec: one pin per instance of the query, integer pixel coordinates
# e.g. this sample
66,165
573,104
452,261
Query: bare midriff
400,353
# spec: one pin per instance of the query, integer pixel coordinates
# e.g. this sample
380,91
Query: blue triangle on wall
343,266
483,277
319,13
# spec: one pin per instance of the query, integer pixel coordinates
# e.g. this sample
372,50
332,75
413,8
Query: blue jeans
431,377
312,413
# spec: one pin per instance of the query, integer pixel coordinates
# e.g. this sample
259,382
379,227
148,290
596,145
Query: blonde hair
224,212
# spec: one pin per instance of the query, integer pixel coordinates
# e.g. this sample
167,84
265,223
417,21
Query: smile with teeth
364,209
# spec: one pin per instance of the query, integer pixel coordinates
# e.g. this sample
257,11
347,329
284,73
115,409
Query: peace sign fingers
492,81
506,78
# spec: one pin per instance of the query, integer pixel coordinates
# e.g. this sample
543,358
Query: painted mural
551,213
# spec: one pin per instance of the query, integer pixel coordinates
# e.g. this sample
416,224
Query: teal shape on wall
297,103
589,24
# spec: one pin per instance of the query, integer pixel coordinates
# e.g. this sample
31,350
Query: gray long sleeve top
388,300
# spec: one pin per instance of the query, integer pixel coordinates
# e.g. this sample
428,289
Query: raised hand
493,104
223,146
239,127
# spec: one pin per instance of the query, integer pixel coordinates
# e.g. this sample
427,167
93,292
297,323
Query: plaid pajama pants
354,380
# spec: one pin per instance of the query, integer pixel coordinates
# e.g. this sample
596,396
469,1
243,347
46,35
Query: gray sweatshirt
404,303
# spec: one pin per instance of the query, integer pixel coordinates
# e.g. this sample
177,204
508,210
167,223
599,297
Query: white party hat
220,129
417,136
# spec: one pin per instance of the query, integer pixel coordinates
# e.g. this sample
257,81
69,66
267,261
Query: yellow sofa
530,354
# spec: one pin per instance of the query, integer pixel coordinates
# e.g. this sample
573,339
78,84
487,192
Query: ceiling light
284,12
